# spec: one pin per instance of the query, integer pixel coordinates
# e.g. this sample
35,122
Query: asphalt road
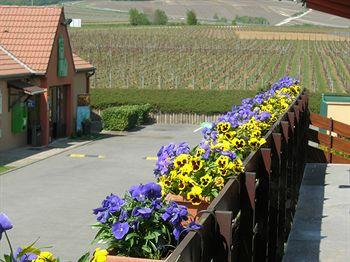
53,199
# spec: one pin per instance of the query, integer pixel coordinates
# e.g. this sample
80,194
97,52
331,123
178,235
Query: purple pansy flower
144,212
177,231
166,155
110,205
152,190
120,229
5,224
27,257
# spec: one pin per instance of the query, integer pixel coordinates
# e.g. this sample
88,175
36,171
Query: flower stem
8,241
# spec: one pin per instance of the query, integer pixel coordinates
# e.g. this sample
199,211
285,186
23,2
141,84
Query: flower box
192,209
130,259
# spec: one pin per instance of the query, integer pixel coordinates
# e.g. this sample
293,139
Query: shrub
125,117
191,18
142,112
119,118
160,17
138,18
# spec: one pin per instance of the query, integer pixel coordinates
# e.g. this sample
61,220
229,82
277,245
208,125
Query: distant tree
138,18
160,17
216,17
191,18
223,20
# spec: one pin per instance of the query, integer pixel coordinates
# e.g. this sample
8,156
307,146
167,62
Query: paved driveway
54,198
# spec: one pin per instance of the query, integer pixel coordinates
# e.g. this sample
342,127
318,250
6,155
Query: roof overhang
27,88
334,7
88,69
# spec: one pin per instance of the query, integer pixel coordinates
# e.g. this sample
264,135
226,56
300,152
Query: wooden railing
251,218
333,137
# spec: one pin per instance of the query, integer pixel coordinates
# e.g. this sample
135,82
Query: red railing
333,137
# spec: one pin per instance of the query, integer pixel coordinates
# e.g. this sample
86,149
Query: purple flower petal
120,229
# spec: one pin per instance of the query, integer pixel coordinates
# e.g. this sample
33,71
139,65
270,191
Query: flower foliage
199,174
141,224
23,254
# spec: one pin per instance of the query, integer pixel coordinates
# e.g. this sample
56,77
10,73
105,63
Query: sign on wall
62,61
83,99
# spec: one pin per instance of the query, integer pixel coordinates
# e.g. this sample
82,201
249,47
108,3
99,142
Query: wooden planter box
192,209
130,259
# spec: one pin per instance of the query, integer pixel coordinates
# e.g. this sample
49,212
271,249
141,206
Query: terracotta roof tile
10,67
81,65
28,33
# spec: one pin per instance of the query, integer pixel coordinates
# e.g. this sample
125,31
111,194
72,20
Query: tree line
159,17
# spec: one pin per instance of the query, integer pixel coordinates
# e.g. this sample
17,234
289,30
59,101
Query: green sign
19,118
62,61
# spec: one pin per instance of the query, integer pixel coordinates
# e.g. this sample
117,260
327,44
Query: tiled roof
29,33
81,65
10,67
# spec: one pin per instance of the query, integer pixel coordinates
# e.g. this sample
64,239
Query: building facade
40,77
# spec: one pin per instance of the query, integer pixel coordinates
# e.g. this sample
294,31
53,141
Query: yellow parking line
86,156
151,158
77,155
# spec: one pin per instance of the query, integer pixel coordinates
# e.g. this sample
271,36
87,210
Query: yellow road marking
151,158
77,155
84,155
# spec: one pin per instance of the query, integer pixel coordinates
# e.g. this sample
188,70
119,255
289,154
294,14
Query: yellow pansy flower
236,166
222,161
181,160
100,255
199,152
186,169
230,135
45,257
223,127
195,195
219,181
238,144
206,180
197,164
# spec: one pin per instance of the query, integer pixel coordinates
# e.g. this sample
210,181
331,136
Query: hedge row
125,117
179,101
170,101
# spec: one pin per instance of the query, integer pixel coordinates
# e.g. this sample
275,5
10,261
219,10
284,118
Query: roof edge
88,69
17,60
9,77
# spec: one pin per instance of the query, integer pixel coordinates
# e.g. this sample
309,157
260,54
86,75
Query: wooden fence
182,118
251,218
333,137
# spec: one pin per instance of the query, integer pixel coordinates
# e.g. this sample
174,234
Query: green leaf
153,246
147,249
7,258
85,257
30,249
131,235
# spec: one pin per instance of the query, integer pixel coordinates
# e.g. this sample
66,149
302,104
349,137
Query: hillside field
106,11
214,57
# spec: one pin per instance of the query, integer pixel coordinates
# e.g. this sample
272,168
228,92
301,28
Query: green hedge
180,100
142,112
171,101
125,117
